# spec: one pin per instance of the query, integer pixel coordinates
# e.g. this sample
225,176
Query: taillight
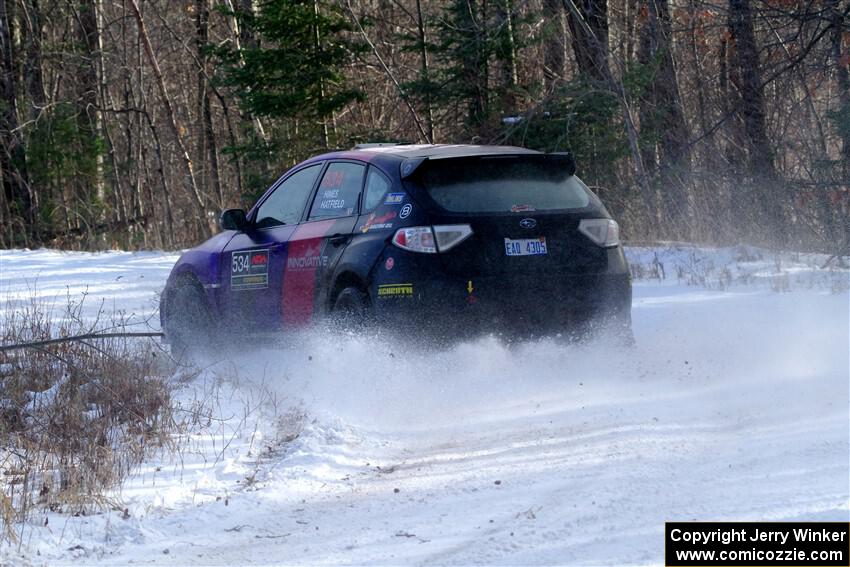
603,232
416,239
431,239
450,235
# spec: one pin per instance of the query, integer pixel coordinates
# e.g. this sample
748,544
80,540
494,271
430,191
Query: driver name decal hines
249,269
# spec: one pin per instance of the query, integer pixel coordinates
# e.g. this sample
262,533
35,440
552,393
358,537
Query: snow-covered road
734,405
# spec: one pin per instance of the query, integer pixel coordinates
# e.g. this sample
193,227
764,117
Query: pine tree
292,74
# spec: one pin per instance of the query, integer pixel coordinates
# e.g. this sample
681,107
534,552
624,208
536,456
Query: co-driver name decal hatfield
249,269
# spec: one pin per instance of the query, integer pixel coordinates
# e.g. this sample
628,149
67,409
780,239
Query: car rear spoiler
411,165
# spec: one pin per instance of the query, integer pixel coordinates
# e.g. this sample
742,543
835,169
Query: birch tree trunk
91,117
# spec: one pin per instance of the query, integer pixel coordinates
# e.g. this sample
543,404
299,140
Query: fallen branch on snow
87,336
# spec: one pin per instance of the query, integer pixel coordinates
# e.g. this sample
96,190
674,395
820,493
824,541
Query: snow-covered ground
734,405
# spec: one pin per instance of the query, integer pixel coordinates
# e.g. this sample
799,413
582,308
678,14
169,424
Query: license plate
526,246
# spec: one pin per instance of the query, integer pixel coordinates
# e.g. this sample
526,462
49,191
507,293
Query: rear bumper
537,304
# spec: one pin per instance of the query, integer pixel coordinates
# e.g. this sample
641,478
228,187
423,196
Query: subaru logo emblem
528,223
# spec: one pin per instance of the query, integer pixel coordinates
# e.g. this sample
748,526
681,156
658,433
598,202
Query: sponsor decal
309,262
522,209
528,223
332,204
395,290
332,179
405,211
378,222
394,199
304,260
330,200
249,269
389,263
307,256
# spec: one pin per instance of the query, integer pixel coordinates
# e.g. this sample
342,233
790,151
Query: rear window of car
377,186
503,185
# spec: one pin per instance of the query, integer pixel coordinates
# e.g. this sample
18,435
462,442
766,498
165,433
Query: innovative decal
395,290
249,269
308,259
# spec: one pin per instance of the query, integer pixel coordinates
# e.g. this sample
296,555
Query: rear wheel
189,325
352,309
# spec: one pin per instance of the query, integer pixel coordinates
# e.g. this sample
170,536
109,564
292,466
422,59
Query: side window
286,204
377,186
338,192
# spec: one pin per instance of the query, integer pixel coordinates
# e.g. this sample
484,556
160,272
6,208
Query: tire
189,324
352,309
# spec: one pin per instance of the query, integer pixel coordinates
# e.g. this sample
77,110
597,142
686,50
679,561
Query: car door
317,244
252,264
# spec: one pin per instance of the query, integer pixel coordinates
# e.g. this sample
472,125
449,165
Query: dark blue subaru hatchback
504,239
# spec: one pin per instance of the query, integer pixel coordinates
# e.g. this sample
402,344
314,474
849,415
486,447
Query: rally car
497,238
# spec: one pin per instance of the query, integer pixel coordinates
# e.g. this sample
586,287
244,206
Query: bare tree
12,152
662,113
723,120
191,185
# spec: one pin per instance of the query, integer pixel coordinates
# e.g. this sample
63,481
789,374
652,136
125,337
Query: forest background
132,123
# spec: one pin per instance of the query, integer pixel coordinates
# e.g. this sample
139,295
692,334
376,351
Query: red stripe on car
305,257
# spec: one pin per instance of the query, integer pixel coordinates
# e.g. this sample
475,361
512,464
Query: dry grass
76,417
